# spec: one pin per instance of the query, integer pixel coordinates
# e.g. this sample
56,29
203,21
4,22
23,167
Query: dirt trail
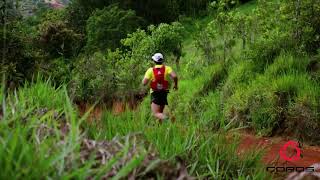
117,108
272,146
310,155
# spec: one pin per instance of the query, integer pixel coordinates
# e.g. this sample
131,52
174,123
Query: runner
158,78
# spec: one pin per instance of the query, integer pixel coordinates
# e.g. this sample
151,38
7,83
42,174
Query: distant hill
28,7
57,3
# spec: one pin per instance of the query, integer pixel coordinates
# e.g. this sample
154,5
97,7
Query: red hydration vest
159,83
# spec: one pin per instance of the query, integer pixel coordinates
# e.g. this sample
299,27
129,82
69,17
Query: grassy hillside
271,93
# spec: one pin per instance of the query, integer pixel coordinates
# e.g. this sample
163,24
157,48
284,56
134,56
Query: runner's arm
147,77
145,81
174,77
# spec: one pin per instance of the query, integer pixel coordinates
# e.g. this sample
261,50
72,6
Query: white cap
158,57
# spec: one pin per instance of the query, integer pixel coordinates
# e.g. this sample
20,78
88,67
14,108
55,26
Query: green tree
222,25
17,64
56,37
9,11
304,20
155,12
241,27
16,61
106,27
205,41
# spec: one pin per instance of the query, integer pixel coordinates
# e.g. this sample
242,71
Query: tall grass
30,136
205,152
41,137
266,100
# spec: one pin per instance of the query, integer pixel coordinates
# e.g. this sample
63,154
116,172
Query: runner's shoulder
150,69
148,73
169,69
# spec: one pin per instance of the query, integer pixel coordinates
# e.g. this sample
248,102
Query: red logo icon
283,151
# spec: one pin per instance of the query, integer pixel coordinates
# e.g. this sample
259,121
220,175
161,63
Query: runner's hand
175,88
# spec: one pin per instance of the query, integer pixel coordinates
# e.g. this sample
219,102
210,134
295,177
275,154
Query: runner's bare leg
162,108
157,112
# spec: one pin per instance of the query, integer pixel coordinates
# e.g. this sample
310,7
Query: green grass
32,145
30,136
262,100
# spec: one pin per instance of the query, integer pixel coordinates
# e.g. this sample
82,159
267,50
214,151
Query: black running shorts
159,97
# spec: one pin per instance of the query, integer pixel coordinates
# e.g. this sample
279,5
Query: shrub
77,16
93,78
58,70
167,37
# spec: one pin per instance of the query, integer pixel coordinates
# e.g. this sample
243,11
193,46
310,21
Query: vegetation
41,138
242,65
106,27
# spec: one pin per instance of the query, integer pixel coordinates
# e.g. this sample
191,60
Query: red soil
116,108
309,154
95,114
